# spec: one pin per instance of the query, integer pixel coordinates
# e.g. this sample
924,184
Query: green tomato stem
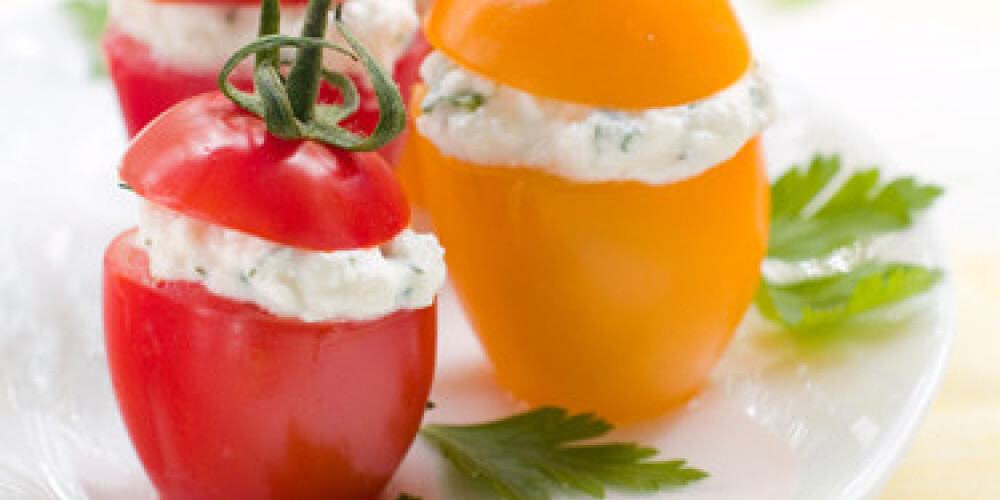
303,81
288,105
270,24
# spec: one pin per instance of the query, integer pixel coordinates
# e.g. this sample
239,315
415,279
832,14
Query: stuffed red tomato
161,52
270,323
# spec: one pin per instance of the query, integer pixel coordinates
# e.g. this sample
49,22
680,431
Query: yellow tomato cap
625,54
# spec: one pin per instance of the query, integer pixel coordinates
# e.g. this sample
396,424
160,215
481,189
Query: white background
920,77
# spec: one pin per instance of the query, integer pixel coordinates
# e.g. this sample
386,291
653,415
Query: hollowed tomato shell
225,401
611,297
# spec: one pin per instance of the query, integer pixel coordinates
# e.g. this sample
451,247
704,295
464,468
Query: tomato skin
407,75
629,56
213,161
147,87
223,400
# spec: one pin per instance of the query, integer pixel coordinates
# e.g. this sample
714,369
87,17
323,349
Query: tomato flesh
147,87
223,400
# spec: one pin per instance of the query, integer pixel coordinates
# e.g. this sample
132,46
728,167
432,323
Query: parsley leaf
823,302
532,455
89,18
859,209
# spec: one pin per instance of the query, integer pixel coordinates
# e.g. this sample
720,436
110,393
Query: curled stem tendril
288,104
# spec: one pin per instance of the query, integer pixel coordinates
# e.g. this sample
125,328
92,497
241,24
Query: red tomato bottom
147,87
223,400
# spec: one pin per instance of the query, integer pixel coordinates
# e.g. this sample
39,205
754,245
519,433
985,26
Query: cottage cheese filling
405,273
203,37
477,120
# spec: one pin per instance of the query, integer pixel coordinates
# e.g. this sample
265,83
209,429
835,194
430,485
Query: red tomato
407,75
225,401
209,159
146,86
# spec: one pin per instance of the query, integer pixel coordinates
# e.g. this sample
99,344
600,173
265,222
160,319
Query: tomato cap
627,54
208,159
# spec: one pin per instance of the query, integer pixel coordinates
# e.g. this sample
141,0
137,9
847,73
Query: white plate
781,419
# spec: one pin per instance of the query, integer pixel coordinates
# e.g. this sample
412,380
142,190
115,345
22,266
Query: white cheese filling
203,37
358,285
480,121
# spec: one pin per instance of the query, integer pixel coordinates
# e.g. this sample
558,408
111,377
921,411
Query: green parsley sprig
817,303
859,209
89,18
532,455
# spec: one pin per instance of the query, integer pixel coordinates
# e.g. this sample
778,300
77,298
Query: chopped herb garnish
230,16
201,271
417,269
430,405
598,134
125,186
628,138
466,100
247,276
404,496
537,454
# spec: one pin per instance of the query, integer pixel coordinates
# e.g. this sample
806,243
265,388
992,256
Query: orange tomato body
614,297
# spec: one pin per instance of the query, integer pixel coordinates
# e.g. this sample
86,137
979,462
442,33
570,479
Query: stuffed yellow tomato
596,176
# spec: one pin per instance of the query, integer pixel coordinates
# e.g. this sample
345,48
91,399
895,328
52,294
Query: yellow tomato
613,297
